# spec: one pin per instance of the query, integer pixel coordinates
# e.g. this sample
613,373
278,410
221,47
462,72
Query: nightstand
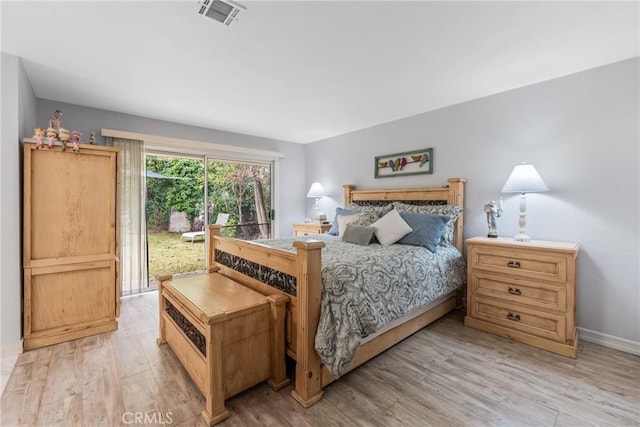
525,291
305,228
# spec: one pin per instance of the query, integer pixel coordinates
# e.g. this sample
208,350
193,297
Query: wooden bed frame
304,268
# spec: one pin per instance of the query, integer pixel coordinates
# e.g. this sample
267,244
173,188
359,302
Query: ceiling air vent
224,11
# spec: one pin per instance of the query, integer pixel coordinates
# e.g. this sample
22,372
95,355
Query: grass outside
169,254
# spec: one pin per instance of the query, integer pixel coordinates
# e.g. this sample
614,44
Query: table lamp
524,179
317,191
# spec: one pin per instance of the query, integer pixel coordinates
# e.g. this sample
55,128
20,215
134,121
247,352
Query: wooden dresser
525,291
305,228
71,287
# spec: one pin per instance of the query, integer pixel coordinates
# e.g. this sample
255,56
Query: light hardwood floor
444,375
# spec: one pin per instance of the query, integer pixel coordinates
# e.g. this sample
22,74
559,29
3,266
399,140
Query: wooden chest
525,291
227,336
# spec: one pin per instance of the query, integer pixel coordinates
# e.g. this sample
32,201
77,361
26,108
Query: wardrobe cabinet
71,286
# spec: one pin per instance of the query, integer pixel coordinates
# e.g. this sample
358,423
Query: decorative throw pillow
450,211
357,234
373,211
366,219
391,228
427,229
343,220
334,230
378,211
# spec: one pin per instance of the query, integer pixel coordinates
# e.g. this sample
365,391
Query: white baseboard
617,343
11,349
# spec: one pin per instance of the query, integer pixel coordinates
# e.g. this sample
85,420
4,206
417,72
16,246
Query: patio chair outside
221,219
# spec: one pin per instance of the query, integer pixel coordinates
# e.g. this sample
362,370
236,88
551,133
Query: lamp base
521,237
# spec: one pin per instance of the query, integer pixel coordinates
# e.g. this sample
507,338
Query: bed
295,268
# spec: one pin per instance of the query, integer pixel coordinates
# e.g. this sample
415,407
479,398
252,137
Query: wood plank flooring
444,375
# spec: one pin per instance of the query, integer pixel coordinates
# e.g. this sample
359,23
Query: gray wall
288,175
18,120
582,134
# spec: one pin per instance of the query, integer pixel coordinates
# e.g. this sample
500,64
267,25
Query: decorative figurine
51,136
54,121
75,139
493,211
63,136
92,138
38,134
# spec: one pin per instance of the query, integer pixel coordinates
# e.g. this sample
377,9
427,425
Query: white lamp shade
524,179
316,190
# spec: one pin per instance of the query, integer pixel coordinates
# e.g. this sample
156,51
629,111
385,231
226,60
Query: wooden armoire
71,287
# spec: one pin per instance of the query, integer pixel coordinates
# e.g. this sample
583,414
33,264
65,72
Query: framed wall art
404,164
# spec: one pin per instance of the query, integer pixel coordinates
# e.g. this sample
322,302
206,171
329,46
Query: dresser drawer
520,262
520,291
519,318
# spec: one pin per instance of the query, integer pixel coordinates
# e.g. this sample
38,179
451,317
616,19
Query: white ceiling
302,71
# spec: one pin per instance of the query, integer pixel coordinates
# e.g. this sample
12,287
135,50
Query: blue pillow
427,229
334,230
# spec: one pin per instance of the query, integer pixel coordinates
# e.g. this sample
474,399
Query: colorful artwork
403,164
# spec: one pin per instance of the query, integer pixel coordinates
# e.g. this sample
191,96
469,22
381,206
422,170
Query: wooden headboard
451,194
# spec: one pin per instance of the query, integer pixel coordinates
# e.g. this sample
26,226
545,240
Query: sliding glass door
186,192
239,197
174,210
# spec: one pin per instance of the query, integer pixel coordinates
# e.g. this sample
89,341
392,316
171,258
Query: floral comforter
366,287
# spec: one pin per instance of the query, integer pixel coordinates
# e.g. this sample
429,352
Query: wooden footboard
272,271
298,276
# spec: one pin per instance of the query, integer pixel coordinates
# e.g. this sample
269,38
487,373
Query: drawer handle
515,291
514,317
513,264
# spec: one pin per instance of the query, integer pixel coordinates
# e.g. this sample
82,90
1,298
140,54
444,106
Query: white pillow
343,220
391,228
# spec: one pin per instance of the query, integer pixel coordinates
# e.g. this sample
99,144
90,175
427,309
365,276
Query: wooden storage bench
227,336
